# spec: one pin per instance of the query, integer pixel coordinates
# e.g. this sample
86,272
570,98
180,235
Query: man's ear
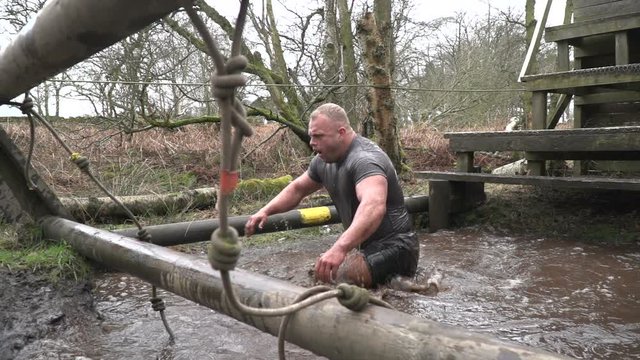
342,130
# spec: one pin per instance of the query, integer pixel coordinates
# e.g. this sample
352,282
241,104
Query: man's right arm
286,200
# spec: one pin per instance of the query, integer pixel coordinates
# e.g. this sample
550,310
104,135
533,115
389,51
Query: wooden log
92,208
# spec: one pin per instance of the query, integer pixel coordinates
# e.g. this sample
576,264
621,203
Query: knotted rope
224,249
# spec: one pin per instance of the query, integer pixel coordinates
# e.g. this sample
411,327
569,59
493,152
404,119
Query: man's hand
328,264
259,218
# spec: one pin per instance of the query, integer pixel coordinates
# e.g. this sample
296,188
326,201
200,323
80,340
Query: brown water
575,299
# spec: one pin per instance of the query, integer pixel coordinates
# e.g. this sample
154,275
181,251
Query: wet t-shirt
363,159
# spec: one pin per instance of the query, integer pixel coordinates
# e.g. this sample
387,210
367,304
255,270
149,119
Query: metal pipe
201,230
66,32
327,329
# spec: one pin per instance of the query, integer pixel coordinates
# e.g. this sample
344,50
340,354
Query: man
363,185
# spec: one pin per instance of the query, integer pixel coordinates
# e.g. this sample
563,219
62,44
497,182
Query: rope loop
157,304
224,249
353,297
224,85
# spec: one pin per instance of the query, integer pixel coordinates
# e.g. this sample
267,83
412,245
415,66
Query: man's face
326,138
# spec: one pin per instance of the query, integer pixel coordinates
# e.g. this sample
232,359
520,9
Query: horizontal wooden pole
201,230
327,329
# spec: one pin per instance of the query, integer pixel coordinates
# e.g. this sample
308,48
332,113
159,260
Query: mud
576,299
32,309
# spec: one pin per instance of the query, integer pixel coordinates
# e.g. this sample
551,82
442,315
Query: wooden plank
585,3
535,41
580,182
606,10
539,109
585,139
607,97
582,155
570,81
611,120
593,27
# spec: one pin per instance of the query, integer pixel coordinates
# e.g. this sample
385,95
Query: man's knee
355,270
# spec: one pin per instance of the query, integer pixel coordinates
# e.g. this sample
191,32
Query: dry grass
159,161
154,161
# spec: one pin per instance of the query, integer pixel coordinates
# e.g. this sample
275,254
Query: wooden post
439,204
563,55
464,161
622,48
538,121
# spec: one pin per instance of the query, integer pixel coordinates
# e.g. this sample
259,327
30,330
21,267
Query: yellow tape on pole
316,215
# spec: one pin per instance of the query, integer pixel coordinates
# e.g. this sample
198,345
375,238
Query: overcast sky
425,10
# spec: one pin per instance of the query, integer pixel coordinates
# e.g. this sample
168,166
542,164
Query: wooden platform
579,182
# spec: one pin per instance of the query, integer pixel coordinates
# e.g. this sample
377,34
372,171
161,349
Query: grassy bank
23,249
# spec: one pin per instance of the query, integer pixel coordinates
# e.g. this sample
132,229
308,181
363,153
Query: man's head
330,132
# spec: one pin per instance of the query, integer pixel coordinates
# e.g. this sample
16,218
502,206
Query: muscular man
377,242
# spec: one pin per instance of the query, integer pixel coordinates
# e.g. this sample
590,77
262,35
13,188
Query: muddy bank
32,309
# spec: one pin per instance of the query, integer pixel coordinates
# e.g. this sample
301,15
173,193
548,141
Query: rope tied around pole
353,297
224,250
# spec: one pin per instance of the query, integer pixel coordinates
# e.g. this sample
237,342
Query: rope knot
224,86
353,297
81,161
143,235
157,304
224,249
27,105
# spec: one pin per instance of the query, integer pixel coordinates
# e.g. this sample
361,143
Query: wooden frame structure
602,80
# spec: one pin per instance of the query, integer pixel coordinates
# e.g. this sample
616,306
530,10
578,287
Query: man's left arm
372,195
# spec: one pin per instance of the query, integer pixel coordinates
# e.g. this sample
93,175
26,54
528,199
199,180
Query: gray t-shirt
364,158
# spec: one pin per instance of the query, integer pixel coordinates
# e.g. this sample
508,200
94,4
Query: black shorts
394,255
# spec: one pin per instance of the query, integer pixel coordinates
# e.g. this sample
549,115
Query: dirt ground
31,308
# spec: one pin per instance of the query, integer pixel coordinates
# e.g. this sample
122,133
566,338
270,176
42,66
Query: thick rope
224,248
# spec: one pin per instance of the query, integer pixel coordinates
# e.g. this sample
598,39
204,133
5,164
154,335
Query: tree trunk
93,208
349,67
380,97
331,49
530,23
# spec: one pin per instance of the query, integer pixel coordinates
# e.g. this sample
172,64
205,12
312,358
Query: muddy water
576,299
579,300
